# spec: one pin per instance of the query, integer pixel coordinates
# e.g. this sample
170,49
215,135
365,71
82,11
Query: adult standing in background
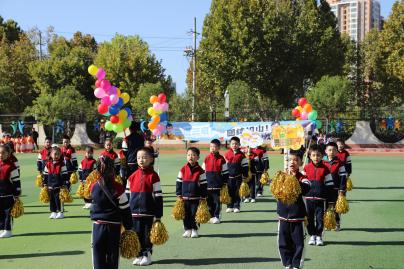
35,136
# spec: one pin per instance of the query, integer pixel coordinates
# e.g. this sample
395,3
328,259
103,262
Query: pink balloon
100,74
112,90
157,106
164,107
156,132
114,99
105,84
304,115
106,101
99,93
161,128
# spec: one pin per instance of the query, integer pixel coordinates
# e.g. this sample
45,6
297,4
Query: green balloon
319,124
312,115
109,126
126,123
118,128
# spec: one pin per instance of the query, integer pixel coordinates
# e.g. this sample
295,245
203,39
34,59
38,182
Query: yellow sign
287,136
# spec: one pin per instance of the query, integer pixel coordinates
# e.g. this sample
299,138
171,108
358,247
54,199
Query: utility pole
40,45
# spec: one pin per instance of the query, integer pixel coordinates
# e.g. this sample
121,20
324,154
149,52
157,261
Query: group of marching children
322,180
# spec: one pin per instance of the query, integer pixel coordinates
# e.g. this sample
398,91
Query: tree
330,95
129,63
9,30
141,102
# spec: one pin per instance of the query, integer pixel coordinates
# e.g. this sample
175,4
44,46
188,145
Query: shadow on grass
239,235
375,230
77,217
381,188
258,211
366,243
214,261
48,254
47,205
52,233
375,200
242,221
35,213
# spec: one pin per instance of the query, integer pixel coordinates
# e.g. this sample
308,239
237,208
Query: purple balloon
114,99
106,101
105,84
130,118
164,107
113,90
100,74
99,93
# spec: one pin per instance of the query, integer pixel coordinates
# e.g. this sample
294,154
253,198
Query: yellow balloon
118,92
151,111
123,114
125,97
92,69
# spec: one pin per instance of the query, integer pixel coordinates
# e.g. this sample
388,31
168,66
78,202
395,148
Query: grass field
372,235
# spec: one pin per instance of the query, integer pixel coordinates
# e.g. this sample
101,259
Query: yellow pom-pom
158,233
80,190
178,212
264,178
73,178
329,219
123,162
342,206
224,195
38,180
64,196
285,188
91,178
129,245
18,209
349,185
244,190
119,179
44,195
202,213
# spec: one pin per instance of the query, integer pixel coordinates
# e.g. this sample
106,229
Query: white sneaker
146,260
319,241
52,215
6,234
259,195
246,200
312,240
236,210
229,210
211,220
187,234
60,215
252,201
194,234
137,260
216,221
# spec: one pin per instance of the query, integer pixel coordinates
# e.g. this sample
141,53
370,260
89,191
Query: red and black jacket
70,158
216,171
113,156
320,179
43,157
338,172
87,165
55,175
260,160
345,158
10,184
237,164
295,212
191,182
146,197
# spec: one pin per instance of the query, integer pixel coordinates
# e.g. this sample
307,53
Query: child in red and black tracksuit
291,220
344,156
321,181
339,175
216,175
110,209
55,177
69,157
191,187
146,202
12,157
10,187
87,165
237,165
252,184
43,156
261,164
110,153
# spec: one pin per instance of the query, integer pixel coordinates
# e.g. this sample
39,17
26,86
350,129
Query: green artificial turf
372,235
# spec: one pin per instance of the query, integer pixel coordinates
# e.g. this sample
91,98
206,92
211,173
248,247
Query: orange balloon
298,118
152,125
308,108
153,99
156,119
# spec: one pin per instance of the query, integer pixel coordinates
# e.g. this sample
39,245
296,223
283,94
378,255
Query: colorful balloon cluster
304,111
112,102
158,113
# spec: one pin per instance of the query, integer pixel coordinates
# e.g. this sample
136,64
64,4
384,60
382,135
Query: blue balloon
128,110
142,126
163,117
120,103
113,110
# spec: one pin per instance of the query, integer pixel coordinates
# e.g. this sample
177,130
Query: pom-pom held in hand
329,219
264,178
202,213
224,195
158,233
118,179
73,178
44,195
18,209
244,189
349,185
38,181
80,190
178,210
129,245
64,196
341,206
285,188
92,178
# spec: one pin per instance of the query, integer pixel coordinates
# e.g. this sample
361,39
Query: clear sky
162,23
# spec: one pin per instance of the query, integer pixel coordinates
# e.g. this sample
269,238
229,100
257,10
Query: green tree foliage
9,30
140,102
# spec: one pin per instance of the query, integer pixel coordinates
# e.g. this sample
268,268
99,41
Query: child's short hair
296,153
66,137
105,165
340,140
6,148
10,146
331,144
194,150
216,142
48,138
315,148
107,140
89,149
147,150
235,138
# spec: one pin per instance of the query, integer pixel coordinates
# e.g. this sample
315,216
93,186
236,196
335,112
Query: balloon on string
130,118
118,91
163,117
105,84
152,125
302,101
108,126
161,128
153,99
299,108
106,101
119,103
156,132
114,99
100,74
113,90
98,83
114,119
157,106
126,123
308,108
125,97
117,128
113,110
164,107
161,98
122,114
319,124
295,112
92,69
156,119
151,111
312,115
303,115
102,109
99,93
106,114
128,111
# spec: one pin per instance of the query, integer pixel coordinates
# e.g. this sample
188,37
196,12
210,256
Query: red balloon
295,112
102,109
162,98
302,101
97,83
114,119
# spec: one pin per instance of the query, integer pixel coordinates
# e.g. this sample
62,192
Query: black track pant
142,226
214,203
105,244
191,206
315,215
234,188
291,243
6,204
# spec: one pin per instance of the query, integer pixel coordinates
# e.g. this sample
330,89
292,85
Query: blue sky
162,23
